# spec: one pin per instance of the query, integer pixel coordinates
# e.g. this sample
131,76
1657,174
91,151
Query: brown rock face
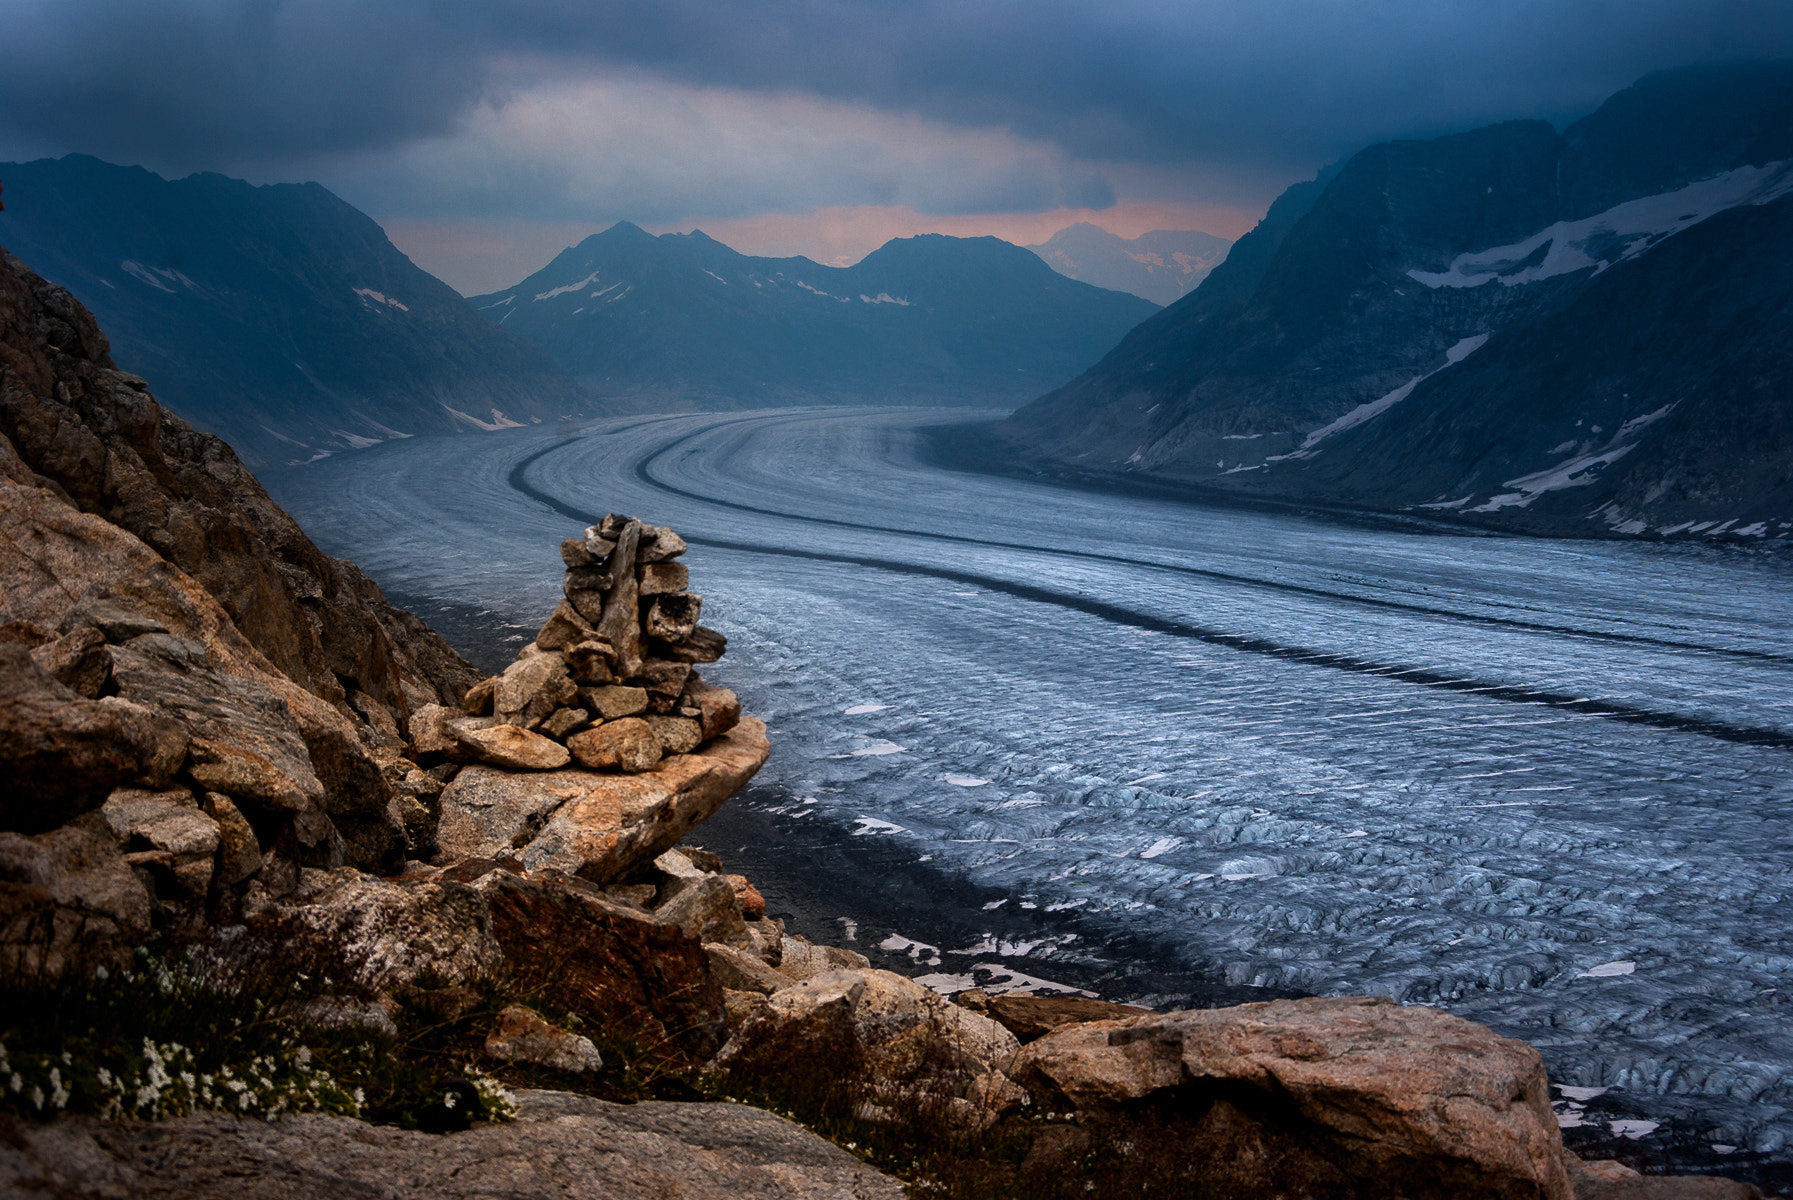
676,735
239,854
1352,1097
96,435
531,688
752,904
1609,1180
706,909
61,755
701,645
625,820
564,628
386,932
180,839
886,1030
660,544
488,812
627,744
67,899
665,683
737,970
615,701
673,618
591,662
664,578
614,965
77,660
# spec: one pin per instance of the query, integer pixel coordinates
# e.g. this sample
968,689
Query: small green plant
157,1040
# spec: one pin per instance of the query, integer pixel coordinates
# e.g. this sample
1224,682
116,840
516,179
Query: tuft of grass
160,1039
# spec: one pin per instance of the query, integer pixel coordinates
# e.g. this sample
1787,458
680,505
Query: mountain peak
1162,266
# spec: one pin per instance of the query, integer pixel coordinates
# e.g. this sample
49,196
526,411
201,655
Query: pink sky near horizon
478,256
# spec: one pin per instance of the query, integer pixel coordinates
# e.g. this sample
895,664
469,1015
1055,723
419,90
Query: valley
1539,783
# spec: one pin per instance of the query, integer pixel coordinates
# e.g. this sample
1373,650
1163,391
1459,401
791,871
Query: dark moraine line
643,472
1115,614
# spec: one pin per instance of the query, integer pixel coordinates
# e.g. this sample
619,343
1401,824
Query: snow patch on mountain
1375,408
498,421
156,277
1578,471
1621,232
571,287
381,298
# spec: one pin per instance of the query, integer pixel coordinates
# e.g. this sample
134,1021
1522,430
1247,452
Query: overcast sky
487,134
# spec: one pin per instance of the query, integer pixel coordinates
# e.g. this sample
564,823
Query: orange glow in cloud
844,235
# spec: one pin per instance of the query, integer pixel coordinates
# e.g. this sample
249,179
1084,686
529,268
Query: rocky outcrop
167,631
1342,1097
386,933
96,438
68,899
902,1044
562,1146
618,966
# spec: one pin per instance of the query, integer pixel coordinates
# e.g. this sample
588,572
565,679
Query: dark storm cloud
1241,82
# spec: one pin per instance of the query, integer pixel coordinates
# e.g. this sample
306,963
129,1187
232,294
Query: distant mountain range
682,320
279,317
1579,332
1162,266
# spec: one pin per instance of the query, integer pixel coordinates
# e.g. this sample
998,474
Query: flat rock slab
515,747
563,1146
591,824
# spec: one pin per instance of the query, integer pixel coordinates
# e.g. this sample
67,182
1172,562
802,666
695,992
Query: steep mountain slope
1658,400
1163,266
682,318
279,318
1371,311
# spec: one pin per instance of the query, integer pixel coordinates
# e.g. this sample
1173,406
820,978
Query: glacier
1543,784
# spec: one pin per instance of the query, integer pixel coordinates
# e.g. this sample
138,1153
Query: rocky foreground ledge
213,736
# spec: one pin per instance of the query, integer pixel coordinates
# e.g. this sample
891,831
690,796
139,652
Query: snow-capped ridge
1621,232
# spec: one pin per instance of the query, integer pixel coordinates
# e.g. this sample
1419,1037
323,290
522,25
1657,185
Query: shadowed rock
61,755
562,1147
613,965
1351,1097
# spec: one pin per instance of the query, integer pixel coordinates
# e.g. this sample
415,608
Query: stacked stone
610,679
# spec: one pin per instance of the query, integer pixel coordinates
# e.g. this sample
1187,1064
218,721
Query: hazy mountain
279,318
1576,332
681,318
1162,266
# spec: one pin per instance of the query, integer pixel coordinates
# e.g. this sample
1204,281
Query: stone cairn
610,679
